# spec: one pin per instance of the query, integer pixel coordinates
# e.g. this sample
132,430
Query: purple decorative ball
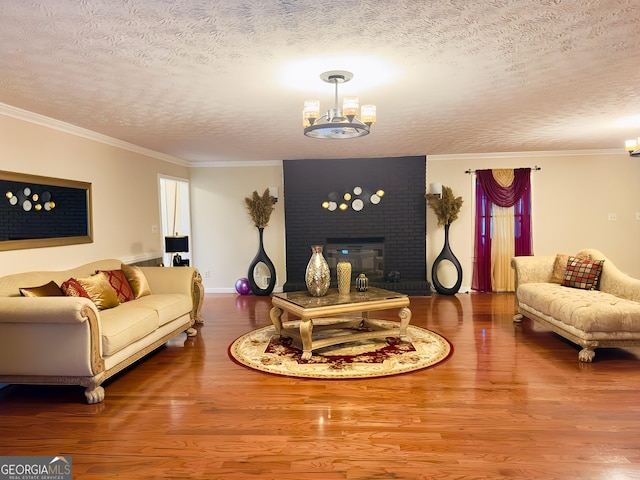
242,286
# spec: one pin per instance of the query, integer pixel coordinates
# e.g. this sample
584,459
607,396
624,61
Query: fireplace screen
366,255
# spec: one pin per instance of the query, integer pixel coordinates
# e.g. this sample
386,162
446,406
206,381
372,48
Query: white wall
225,238
572,197
124,188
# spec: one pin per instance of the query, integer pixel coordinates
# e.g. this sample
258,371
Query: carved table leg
276,319
306,331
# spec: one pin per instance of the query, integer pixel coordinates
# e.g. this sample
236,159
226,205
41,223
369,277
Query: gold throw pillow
51,289
137,280
100,291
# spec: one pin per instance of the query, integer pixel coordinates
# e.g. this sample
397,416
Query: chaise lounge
566,294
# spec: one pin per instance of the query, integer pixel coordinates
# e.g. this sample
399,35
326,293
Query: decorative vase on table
261,257
343,271
446,254
317,276
362,283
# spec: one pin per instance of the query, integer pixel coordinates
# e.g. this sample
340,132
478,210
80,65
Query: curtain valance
505,196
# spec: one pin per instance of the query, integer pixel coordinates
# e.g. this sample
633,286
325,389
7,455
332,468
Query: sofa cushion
582,273
50,289
71,288
168,306
137,280
120,284
122,326
100,291
587,310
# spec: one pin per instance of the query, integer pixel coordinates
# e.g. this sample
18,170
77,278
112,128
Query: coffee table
330,306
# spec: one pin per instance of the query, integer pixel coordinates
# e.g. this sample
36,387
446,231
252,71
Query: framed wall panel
38,211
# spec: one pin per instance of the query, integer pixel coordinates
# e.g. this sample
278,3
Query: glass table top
305,300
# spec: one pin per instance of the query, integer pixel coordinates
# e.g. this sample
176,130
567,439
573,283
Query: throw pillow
100,291
51,289
137,280
560,266
71,288
120,284
582,274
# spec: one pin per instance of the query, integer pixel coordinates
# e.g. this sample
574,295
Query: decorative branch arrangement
260,208
446,207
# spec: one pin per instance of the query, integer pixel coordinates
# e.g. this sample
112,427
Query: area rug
262,350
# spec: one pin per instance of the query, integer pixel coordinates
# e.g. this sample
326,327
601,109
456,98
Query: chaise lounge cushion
582,274
586,310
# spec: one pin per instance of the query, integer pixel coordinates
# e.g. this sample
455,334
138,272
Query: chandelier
633,147
338,123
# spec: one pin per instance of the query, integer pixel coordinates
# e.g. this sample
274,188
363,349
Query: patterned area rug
262,350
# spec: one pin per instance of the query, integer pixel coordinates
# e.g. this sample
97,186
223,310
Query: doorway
175,214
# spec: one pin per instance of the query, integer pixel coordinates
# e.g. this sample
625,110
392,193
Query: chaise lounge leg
586,355
94,394
517,318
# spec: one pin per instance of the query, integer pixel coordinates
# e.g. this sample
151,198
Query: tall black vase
446,254
261,257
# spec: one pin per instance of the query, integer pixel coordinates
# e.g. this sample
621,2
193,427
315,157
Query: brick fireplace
379,239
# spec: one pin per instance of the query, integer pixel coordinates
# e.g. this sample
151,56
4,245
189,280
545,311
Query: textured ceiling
210,81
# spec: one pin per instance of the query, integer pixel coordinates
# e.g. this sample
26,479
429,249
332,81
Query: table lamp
176,245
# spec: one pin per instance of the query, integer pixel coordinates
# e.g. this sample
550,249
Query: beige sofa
68,340
606,317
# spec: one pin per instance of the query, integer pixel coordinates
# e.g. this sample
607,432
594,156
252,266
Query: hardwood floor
512,402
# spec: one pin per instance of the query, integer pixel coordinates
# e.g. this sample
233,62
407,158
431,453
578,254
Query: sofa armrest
46,310
533,269
170,279
49,336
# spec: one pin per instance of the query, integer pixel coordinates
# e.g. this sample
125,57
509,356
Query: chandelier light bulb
350,107
310,112
369,114
633,147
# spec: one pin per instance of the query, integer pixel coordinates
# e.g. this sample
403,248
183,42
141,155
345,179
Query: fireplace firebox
366,255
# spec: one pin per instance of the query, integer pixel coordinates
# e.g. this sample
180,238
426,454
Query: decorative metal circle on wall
357,199
29,200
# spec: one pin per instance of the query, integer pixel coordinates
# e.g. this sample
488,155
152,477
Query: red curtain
488,193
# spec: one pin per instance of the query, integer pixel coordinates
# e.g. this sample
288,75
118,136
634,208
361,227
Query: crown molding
238,163
558,153
61,126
